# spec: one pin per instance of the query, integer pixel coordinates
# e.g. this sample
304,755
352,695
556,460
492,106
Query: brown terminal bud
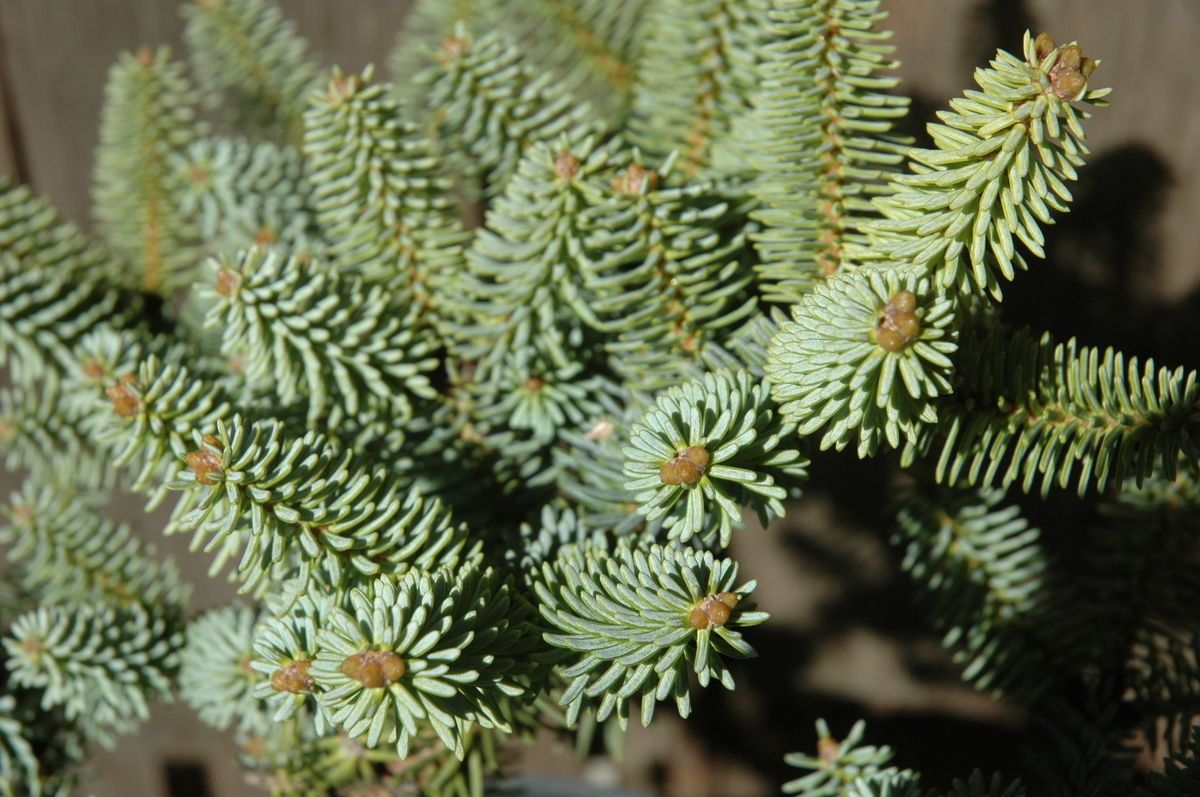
374,669
203,462
265,236
634,179
145,56
93,369
828,749
455,47
686,467
125,401
566,166
7,431
228,281
713,611
343,87
898,324
293,677
534,384
1070,73
1044,45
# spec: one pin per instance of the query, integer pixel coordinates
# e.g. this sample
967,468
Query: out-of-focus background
846,639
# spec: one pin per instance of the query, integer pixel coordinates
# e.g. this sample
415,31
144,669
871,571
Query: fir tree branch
316,336
1003,156
1028,411
382,196
148,121
696,76
823,143
864,357
70,553
633,621
250,61
707,449
490,106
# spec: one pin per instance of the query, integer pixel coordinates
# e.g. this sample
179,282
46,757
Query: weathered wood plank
59,52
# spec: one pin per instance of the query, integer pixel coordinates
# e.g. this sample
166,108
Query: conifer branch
864,357
68,551
697,74
1028,411
1002,159
101,665
381,194
490,106
316,336
707,449
148,121
823,143
633,621
310,505
250,61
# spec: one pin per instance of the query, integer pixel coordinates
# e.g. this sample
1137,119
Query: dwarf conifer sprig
697,74
590,473
824,139
69,552
43,316
428,24
848,768
557,527
632,621
44,433
709,448
985,570
593,48
306,498
524,301
863,357
150,417
1038,414
541,399
490,106
19,767
285,647
34,233
216,676
1003,156
241,193
251,62
148,121
436,649
101,665
668,271
382,195
317,336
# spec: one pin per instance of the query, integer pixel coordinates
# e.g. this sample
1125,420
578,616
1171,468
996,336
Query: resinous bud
686,467
374,669
898,324
293,677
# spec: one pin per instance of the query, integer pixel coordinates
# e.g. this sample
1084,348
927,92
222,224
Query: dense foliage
470,379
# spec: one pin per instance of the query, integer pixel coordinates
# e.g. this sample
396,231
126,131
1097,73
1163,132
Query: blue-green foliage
468,381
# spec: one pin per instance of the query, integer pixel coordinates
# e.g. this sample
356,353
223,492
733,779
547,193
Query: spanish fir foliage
250,61
998,171
824,141
489,105
698,74
381,197
148,121
468,380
